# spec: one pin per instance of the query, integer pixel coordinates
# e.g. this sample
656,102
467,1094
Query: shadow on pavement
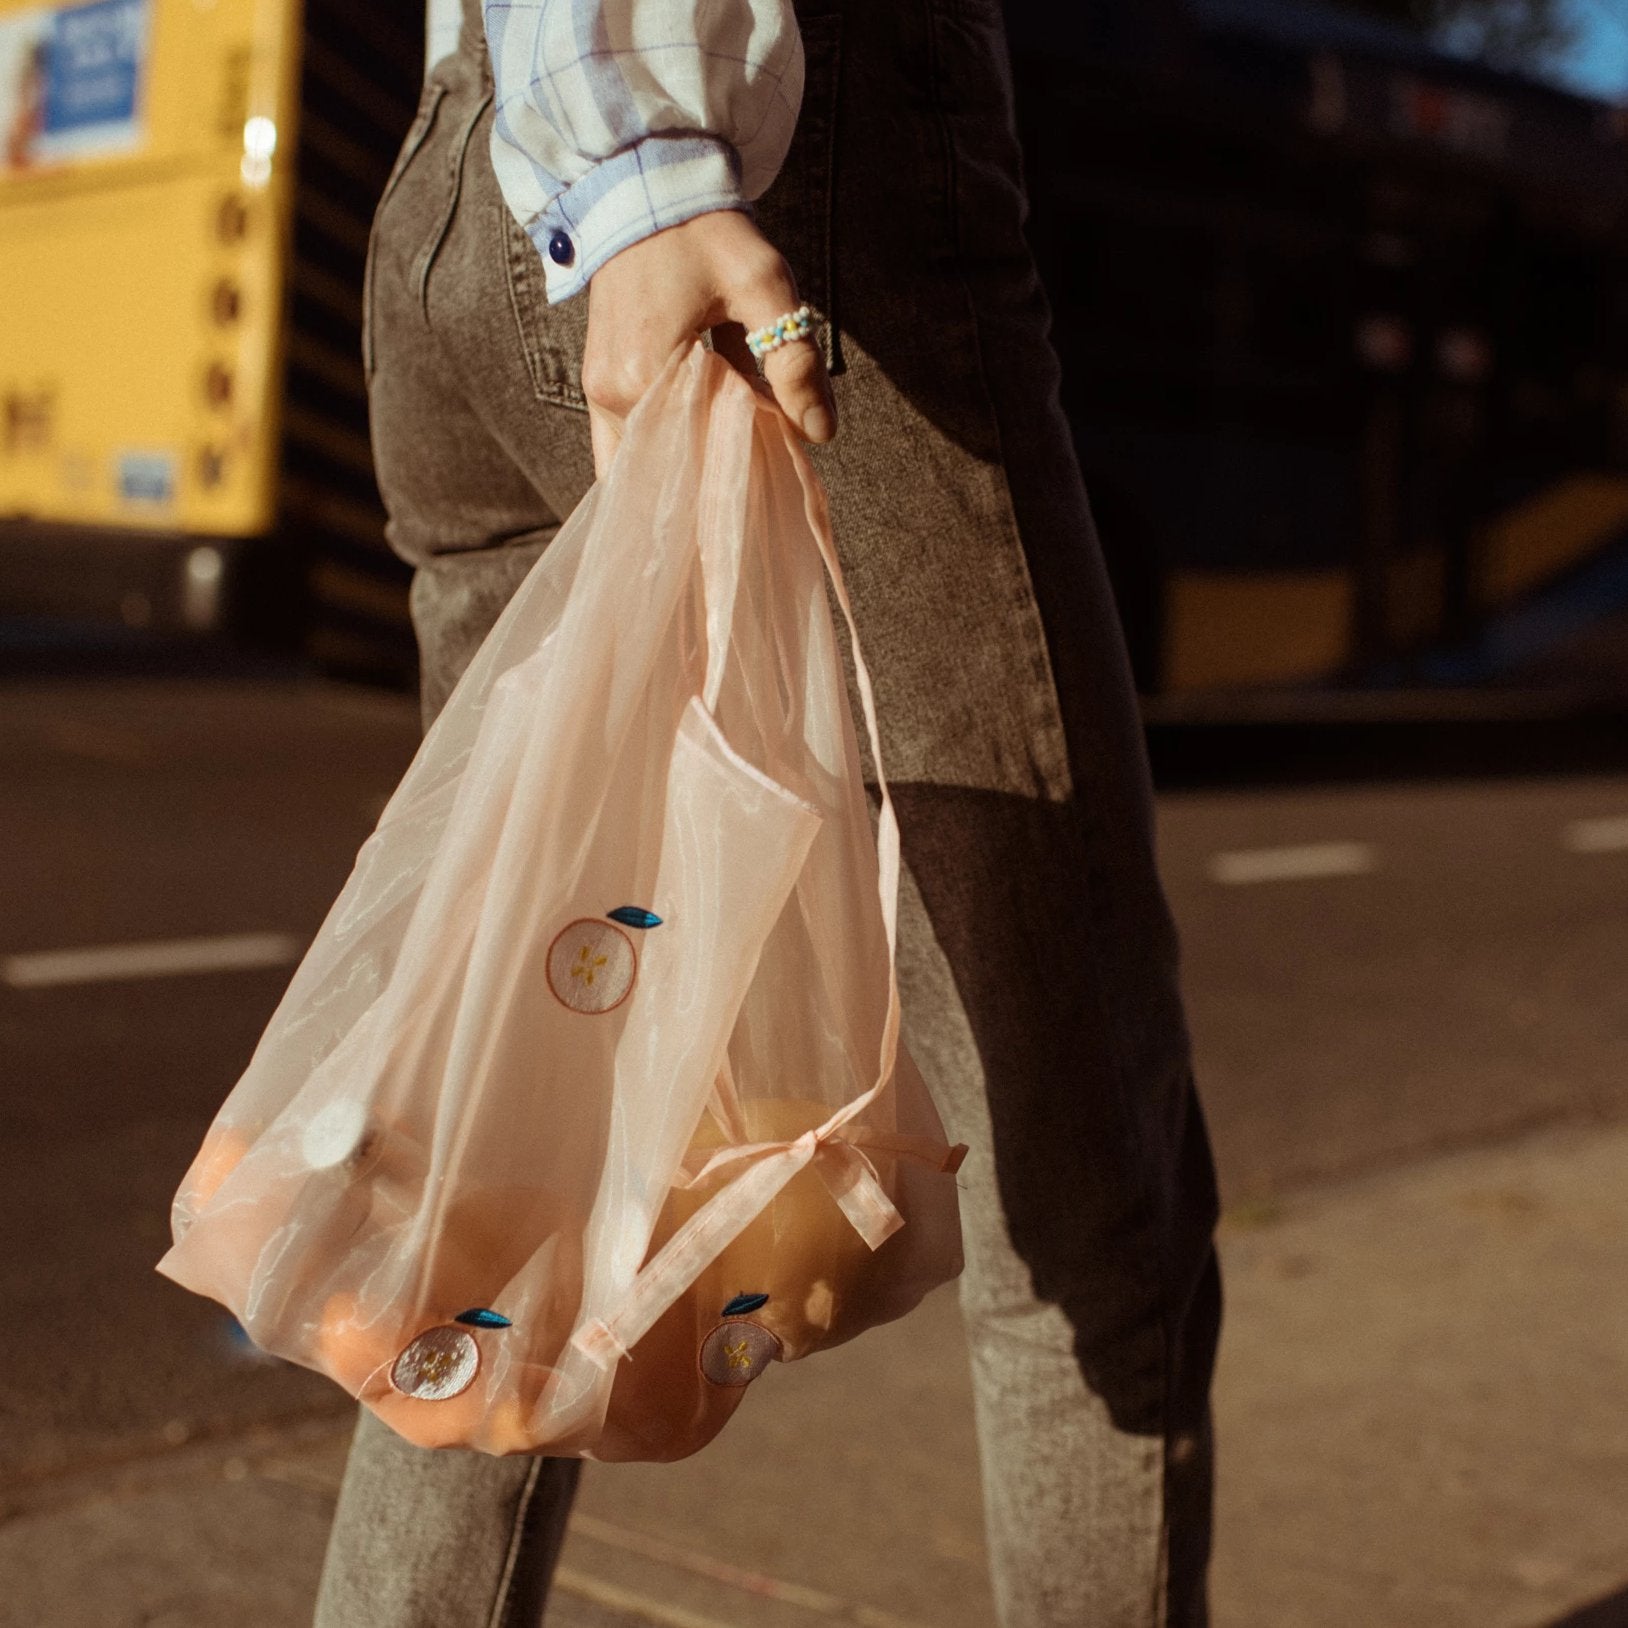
1335,751
1611,1612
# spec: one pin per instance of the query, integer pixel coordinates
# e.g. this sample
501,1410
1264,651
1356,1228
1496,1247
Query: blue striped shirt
616,118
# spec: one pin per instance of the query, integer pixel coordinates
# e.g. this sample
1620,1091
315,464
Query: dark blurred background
1338,292
1339,296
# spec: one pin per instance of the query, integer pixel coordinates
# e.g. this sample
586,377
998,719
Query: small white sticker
147,478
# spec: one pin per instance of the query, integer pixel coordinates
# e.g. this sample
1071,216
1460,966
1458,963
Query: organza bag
588,1100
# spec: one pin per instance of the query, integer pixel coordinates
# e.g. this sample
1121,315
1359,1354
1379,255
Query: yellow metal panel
1558,528
1226,630
143,289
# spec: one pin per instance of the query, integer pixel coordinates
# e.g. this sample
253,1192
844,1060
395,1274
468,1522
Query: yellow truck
185,193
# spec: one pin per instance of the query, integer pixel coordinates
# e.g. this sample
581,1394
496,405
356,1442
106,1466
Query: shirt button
561,250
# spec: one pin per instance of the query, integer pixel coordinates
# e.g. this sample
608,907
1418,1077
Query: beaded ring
798,324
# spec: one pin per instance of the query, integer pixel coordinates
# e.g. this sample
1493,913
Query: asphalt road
142,813
1455,975
1376,973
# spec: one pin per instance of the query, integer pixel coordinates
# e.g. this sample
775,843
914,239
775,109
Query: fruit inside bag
588,1102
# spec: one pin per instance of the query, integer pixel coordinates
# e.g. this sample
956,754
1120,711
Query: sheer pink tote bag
588,1101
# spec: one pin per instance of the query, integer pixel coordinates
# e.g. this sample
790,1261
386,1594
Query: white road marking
160,958
1245,865
738,1578
630,1604
1606,836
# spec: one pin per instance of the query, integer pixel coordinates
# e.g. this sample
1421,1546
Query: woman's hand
716,271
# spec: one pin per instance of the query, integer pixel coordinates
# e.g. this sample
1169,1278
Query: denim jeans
1038,963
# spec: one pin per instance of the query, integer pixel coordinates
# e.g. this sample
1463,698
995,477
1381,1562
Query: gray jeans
1037,959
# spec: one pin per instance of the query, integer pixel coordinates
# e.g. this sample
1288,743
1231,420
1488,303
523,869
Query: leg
426,1539
1090,1393
1038,956
422,1539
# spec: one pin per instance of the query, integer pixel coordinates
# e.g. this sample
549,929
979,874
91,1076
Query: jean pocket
795,213
418,131
551,336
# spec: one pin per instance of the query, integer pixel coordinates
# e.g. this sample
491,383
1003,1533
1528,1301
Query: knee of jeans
1044,1351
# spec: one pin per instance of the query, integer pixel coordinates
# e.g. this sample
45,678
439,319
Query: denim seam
500,1602
430,99
822,56
426,257
1042,712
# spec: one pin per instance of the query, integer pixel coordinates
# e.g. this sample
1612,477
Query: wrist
662,180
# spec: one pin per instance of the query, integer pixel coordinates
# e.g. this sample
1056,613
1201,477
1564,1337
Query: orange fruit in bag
789,1271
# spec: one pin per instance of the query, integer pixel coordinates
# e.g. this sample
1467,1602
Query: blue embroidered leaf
482,1317
743,1303
630,915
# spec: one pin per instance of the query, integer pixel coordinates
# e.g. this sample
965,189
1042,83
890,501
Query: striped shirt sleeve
616,118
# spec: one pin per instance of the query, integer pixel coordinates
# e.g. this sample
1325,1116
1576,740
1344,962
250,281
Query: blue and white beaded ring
798,324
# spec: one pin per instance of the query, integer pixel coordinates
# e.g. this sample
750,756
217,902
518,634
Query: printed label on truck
70,82
147,478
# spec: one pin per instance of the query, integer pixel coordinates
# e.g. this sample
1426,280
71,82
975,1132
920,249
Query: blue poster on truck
71,80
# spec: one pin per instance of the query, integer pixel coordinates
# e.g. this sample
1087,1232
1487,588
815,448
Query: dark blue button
561,250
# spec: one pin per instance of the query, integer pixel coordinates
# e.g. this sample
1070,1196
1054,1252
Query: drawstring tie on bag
844,1167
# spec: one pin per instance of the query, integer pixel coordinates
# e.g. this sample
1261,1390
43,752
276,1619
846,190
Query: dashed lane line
157,958
1602,836
1243,866
623,1600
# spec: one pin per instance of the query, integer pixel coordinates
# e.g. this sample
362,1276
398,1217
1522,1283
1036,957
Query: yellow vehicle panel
144,202
1249,629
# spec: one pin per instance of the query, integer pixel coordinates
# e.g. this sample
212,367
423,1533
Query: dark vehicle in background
1343,328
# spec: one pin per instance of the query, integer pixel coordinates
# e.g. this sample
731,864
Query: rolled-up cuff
662,181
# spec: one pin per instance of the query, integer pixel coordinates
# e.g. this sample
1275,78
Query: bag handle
721,546
841,1160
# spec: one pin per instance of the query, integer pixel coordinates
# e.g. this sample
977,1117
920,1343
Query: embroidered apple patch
592,965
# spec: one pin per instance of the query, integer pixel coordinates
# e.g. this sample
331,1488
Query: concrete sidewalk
1423,1411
